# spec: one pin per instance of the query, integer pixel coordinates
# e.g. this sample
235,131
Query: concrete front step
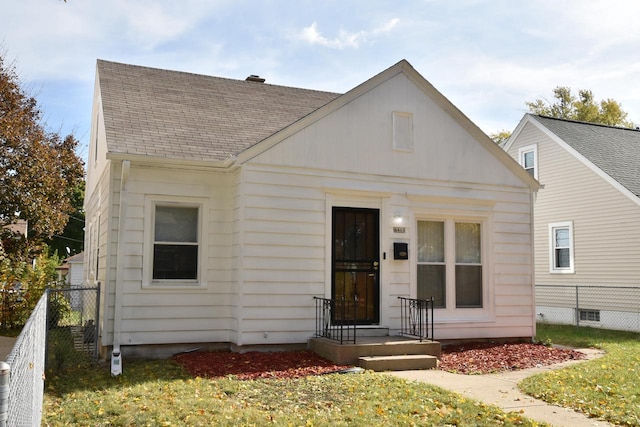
407,362
349,353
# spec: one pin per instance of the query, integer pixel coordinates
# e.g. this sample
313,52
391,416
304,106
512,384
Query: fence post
577,308
5,374
97,323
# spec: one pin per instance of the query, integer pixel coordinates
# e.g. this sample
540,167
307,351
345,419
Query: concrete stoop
407,362
380,353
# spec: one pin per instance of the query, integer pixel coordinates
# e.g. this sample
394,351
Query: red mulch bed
472,358
484,358
256,364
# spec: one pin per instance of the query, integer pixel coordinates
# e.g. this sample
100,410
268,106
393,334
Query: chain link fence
59,336
27,370
606,307
72,322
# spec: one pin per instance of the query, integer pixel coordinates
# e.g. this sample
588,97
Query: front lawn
608,387
161,393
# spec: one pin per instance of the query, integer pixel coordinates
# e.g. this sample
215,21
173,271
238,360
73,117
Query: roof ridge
164,70
636,129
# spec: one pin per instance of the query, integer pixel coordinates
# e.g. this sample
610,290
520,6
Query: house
20,227
75,270
217,209
587,219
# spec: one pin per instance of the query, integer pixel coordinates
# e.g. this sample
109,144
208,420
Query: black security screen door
356,263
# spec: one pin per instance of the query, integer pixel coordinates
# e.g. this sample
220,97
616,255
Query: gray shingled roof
171,114
615,150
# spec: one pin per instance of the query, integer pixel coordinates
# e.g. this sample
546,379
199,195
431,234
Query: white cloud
345,39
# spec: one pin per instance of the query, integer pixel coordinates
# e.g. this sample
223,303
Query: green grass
608,387
160,393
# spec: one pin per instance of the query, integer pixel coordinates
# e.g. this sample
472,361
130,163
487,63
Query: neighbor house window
175,243
529,159
561,247
450,267
590,315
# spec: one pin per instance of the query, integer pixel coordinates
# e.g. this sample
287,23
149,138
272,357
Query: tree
500,137
582,108
71,240
39,170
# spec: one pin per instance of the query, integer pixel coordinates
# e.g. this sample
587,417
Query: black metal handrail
336,319
415,320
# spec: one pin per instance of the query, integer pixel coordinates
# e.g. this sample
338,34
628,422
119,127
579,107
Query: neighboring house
75,274
217,210
20,227
72,271
587,218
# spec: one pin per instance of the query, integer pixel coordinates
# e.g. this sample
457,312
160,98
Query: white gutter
116,358
533,197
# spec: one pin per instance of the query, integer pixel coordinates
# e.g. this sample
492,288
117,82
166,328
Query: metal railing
606,307
27,371
336,319
415,320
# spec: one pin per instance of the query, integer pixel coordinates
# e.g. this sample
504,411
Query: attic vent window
255,78
402,131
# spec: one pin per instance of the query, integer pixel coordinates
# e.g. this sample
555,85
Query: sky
488,57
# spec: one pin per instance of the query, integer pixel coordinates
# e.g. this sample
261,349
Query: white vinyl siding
285,251
178,312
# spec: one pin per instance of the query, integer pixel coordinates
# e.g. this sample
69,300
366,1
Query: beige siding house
217,210
587,218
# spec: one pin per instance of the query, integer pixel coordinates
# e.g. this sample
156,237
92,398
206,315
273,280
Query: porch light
398,219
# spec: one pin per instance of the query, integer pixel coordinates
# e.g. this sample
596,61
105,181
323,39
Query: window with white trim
561,247
174,246
450,266
528,158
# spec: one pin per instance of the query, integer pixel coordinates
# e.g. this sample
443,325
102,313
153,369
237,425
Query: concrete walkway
6,345
502,390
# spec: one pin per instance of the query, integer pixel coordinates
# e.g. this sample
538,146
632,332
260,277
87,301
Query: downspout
534,194
116,356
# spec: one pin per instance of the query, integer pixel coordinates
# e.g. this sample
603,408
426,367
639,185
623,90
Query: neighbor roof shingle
171,114
615,150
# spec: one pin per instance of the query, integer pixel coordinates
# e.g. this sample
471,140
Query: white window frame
451,312
552,248
529,149
149,232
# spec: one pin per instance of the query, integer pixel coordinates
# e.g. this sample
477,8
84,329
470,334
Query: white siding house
217,210
587,219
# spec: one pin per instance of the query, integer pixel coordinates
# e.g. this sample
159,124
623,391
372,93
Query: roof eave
227,165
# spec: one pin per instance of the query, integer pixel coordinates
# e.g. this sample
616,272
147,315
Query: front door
356,264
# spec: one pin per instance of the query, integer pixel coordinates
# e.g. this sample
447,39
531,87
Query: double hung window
529,159
174,242
450,265
561,247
